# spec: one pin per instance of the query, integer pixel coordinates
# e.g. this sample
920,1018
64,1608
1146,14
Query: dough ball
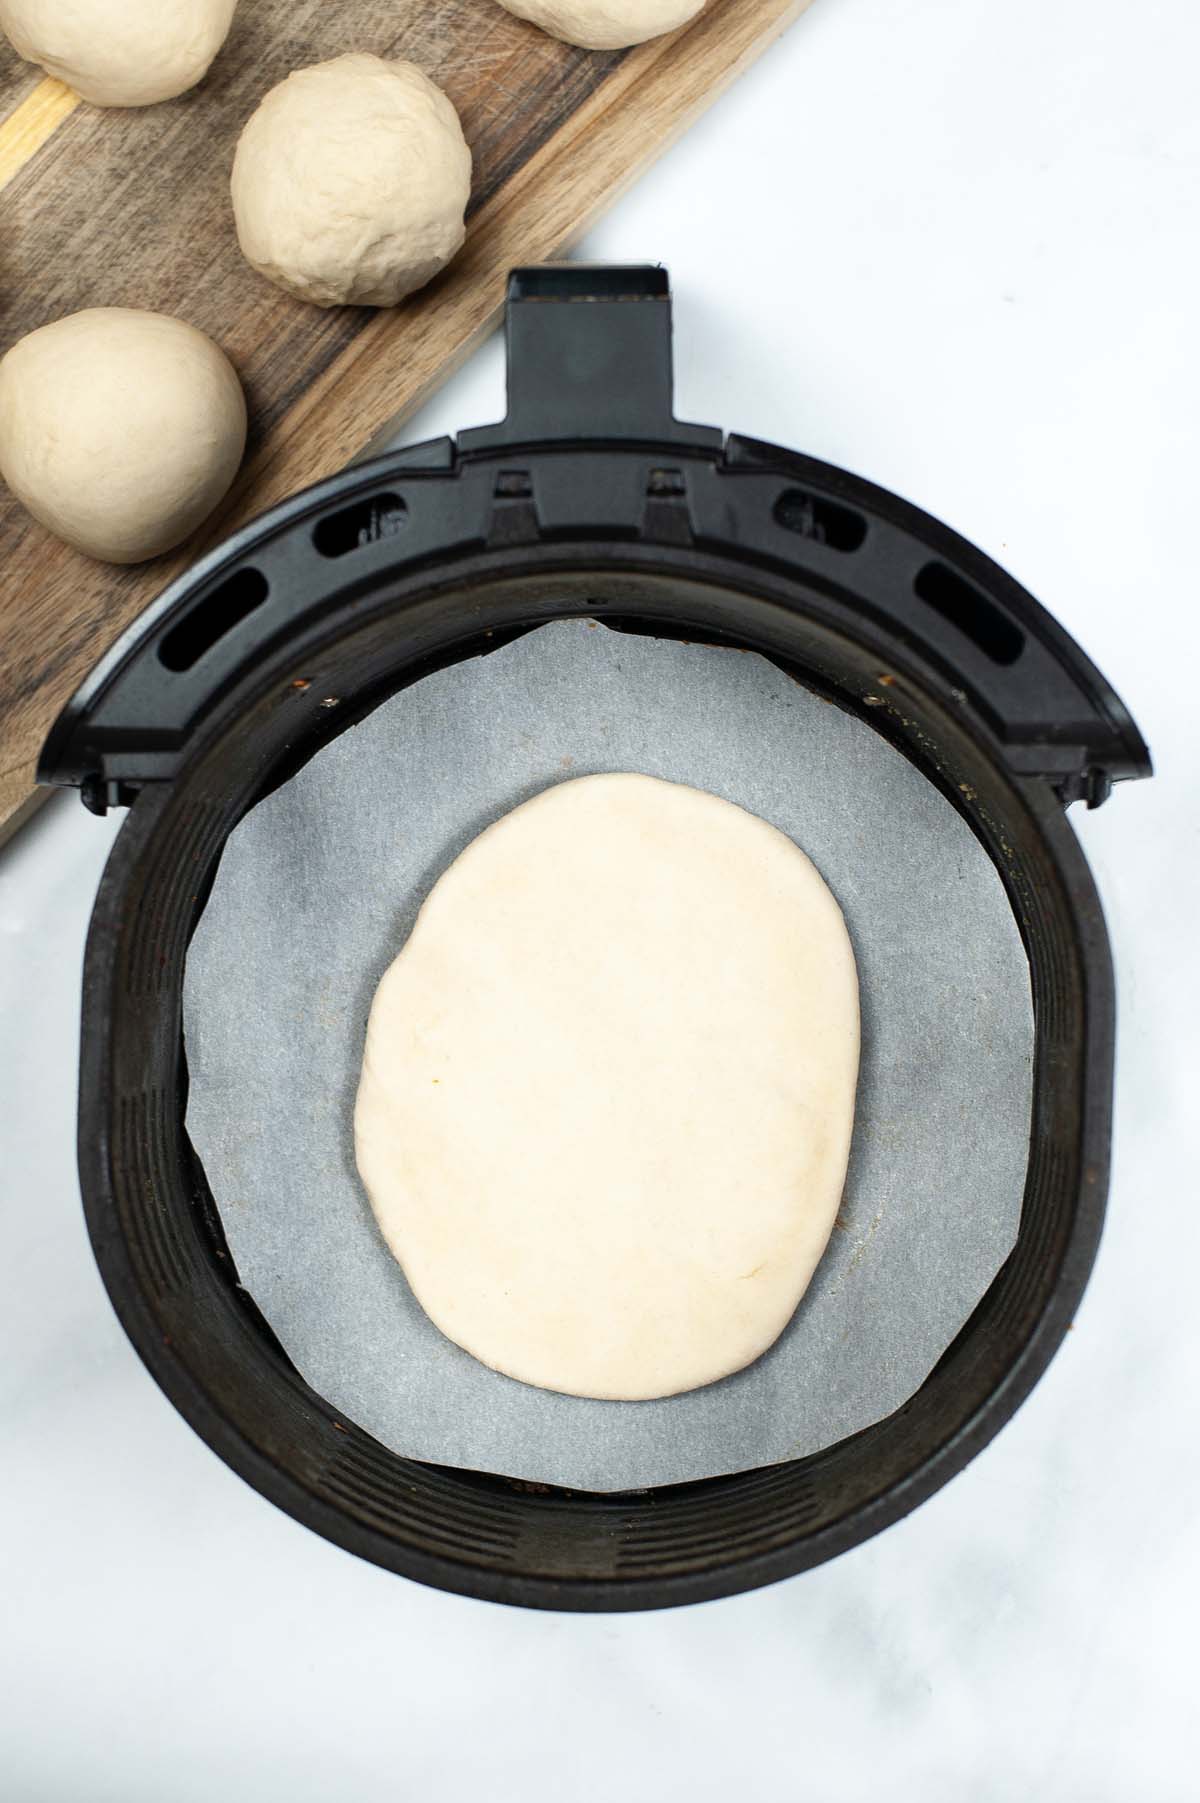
120,430
120,52
606,24
350,182
608,1089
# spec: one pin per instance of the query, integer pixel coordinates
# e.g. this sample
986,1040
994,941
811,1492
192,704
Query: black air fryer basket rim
347,592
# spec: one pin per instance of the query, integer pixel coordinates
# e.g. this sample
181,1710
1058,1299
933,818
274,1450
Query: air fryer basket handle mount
590,455
589,360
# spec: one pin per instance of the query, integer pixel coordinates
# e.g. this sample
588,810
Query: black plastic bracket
589,357
590,471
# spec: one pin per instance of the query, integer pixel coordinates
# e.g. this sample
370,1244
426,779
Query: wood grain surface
107,208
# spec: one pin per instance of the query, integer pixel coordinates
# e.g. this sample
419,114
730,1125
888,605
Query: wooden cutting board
102,208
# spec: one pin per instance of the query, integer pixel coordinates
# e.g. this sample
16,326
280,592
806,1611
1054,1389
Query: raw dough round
120,52
350,182
120,430
606,24
608,1088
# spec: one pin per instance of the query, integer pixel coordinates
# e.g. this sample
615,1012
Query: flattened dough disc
608,1089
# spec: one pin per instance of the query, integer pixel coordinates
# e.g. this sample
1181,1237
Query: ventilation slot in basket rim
968,608
820,520
362,523
206,623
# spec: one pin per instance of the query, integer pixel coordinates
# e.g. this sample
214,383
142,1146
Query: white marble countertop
954,246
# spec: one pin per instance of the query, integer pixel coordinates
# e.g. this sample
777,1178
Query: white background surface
953,245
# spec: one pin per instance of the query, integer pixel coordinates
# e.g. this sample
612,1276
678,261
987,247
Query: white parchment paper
317,891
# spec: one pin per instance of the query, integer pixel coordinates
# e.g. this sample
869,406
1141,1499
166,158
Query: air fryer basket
590,499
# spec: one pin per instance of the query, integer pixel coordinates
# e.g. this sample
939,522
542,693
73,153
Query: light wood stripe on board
27,128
